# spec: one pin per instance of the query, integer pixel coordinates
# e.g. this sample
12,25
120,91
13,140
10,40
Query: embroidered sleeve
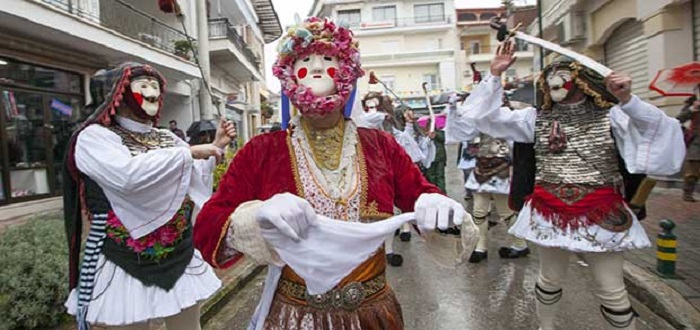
244,235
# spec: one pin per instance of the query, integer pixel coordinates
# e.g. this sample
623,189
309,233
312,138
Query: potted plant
183,48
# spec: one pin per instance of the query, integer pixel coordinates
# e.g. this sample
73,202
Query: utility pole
205,102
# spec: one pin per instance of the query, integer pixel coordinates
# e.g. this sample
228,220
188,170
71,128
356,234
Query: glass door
65,112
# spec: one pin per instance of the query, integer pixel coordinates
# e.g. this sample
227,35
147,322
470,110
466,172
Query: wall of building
407,80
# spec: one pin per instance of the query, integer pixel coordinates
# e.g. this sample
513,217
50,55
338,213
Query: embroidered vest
590,156
161,257
493,159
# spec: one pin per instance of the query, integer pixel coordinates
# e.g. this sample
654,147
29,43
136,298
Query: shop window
65,113
29,75
26,143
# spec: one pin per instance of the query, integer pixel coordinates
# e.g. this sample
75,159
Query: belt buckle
349,298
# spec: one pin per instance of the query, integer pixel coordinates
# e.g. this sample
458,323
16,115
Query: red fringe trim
592,209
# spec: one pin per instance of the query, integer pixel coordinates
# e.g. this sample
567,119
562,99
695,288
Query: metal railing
126,19
220,27
488,49
402,22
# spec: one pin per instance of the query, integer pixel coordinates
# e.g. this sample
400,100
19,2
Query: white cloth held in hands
287,214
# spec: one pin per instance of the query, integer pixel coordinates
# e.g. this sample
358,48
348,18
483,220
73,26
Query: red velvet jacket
266,166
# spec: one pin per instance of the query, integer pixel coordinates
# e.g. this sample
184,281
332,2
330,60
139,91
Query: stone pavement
667,204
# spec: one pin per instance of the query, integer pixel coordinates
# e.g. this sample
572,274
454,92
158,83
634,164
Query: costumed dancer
691,166
282,186
379,114
138,186
466,161
572,160
490,182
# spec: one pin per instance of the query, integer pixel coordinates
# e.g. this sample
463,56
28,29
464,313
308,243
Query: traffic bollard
666,255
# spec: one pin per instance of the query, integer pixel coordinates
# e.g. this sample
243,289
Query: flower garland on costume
158,244
323,37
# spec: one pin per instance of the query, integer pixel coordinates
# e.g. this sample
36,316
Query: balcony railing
128,20
220,27
486,50
418,21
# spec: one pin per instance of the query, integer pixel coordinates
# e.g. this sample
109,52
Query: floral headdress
323,37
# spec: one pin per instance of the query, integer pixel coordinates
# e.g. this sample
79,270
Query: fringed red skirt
573,207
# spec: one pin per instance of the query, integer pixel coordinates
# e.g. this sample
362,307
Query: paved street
492,295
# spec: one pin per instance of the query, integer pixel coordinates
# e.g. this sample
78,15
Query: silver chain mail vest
590,156
493,147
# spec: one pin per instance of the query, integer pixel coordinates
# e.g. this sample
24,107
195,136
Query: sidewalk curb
232,282
661,298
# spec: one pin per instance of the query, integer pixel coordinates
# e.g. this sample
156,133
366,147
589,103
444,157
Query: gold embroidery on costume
326,145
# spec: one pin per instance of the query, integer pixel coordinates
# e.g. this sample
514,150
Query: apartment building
639,37
405,43
50,48
478,44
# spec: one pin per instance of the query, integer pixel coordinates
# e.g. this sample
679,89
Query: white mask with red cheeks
561,85
146,91
316,72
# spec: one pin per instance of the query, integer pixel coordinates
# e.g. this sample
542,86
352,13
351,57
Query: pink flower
141,244
167,235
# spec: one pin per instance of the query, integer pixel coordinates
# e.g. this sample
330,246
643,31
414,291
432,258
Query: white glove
440,210
375,119
287,214
453,99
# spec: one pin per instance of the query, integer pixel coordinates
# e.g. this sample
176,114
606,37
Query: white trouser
482,206
607,278
188,319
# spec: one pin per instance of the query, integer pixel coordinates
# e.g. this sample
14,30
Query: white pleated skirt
495,185
533,227
120,299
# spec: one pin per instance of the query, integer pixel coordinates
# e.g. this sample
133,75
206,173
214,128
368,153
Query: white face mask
372,105
146,90
316,72
560,84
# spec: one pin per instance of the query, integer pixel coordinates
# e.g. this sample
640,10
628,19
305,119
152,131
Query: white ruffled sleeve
483,110
649,141
145,191
406,141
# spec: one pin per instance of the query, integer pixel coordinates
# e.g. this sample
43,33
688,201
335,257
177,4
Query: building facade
405,43
478,44
50,48
638,37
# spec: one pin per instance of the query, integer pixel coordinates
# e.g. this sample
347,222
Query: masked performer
379,114
321,165
571,160
138,186
691,166
490,181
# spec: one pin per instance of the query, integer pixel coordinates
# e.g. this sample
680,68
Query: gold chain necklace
326,145
151,140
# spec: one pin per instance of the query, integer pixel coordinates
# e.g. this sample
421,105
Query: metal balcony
220,27
404,22
126,19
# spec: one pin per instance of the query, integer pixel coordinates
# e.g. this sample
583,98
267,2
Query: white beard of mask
149,89
559,85
375,119
316,72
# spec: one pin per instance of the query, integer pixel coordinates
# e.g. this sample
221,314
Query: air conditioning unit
572,28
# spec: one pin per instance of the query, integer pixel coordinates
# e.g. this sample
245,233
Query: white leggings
607,275
188,319
482,207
